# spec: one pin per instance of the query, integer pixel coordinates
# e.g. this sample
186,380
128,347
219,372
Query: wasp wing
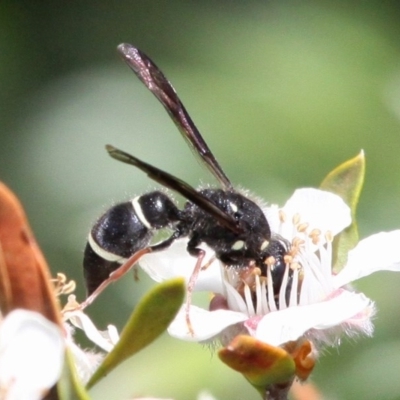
158,84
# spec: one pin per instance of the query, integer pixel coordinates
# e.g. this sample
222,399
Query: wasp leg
192,281
115,275
124,268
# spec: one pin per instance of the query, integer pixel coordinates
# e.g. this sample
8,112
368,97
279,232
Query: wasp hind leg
125,267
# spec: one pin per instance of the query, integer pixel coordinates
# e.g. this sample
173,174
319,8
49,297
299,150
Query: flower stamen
249,301
329,236
282,216
302,227
296,219
270,287
315,236
295,267
296,245
62,285
262,295
283,288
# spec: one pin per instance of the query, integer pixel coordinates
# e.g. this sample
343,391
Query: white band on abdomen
104,254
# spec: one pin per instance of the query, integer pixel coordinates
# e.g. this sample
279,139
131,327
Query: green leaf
347,181
150,319
69,387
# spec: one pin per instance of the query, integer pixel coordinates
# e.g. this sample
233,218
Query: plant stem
278,392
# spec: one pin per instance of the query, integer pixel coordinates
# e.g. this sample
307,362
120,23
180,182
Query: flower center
279,282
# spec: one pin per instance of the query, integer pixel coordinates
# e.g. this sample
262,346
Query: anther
315,236
296,219
71,305
329,236
297,242
263,280
302,227
62,285
287,259
270,261
295,266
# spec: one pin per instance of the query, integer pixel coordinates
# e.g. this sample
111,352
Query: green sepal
69,387
347,181
150,319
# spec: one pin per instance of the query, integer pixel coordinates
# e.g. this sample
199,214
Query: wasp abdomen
123,230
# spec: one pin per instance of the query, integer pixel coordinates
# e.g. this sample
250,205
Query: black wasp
231,224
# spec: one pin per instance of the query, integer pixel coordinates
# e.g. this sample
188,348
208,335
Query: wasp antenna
118,154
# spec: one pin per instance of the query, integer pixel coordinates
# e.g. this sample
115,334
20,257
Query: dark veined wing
158,84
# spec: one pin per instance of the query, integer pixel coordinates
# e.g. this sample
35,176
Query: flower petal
82,321
86,361
234,299
176,261
322,210
31,355
379,252
205,324
283,326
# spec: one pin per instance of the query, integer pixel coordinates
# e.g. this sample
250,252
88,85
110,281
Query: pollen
296,245
270,261
288,259
71,305
297,242
315,236
329,236
62,285
295,266
282,216
296,219
302,227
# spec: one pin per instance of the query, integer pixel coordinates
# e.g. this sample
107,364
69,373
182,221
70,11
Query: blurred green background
283,91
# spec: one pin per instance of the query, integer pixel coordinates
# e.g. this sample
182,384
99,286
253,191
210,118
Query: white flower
312,301
31,355
86,361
